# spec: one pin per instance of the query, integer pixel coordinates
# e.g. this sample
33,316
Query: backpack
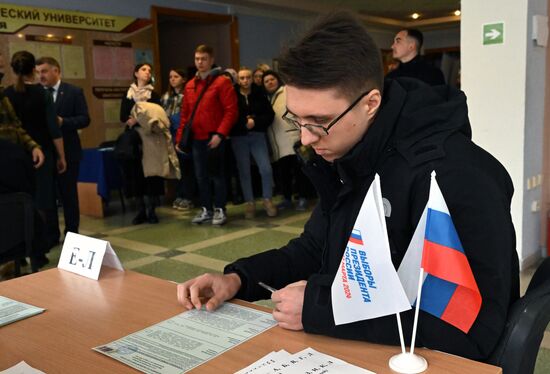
128,145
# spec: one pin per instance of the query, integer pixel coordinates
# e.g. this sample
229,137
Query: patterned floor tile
170,253
543,362
300,223
220,239
546,338
147,260
175,234
267,303
203,261
176,271
135,245
294,220
122,230
267,225
126,255
296,231
246,246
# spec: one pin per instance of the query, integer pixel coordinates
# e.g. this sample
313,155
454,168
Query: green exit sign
493,33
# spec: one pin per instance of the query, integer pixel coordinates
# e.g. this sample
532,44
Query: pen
269,288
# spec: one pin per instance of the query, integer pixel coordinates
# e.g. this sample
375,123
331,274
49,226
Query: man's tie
52,91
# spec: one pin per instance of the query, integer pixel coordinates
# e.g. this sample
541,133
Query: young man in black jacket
401,130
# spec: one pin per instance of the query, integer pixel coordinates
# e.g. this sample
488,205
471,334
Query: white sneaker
203,216
219,217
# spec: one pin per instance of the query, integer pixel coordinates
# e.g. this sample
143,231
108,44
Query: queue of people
238,121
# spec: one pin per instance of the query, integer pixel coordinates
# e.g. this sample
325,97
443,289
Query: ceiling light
49,35
415,16
457,13
69,37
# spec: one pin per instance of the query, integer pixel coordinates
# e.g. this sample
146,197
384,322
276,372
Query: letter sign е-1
84,255
493,33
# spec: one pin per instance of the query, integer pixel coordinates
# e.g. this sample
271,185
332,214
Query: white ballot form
84,255
189,339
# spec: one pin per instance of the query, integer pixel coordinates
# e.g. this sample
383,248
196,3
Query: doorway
176,34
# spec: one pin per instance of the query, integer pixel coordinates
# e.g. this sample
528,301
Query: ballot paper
21,368
11,310
187,340
306,361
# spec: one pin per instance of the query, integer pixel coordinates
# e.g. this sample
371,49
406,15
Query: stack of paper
306,361
11,310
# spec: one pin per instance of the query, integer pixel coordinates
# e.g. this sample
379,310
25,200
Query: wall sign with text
14,17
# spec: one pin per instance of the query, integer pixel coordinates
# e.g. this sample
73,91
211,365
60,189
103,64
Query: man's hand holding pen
289,302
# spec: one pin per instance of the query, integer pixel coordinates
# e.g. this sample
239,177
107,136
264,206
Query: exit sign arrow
493,34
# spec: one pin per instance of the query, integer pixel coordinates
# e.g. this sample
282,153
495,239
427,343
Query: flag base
407,363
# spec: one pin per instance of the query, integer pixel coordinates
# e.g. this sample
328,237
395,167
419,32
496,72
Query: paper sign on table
85,256
21,368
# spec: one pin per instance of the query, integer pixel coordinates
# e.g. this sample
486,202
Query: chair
528,317
17,229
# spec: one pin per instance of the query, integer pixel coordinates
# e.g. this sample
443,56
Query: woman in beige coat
282,138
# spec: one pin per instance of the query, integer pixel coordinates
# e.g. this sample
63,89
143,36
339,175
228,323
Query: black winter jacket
418,129
255,105
420,69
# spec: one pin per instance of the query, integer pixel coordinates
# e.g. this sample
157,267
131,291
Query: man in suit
72,115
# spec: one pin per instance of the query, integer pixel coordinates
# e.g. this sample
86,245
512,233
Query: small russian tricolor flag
355,237
449,290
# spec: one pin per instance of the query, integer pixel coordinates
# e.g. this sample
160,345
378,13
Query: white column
505,85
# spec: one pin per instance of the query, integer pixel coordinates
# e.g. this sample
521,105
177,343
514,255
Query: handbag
128,145
186,140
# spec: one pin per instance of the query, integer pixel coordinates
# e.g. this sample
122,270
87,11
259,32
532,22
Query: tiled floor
177,250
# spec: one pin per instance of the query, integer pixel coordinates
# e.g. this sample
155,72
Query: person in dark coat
406,49
35,109
359,127
72,115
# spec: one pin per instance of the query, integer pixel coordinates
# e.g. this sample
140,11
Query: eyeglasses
319,130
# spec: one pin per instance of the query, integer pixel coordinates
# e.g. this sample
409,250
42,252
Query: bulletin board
93,59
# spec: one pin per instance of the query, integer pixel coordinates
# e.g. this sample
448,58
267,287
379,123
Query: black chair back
528,317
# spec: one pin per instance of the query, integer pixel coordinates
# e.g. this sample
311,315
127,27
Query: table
83,313
99,174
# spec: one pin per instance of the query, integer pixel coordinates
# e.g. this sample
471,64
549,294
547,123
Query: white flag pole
415,324
400,328
409,363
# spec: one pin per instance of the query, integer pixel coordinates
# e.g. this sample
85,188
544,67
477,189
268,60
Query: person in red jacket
215,115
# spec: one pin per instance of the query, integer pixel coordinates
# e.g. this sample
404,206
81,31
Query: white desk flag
366,285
